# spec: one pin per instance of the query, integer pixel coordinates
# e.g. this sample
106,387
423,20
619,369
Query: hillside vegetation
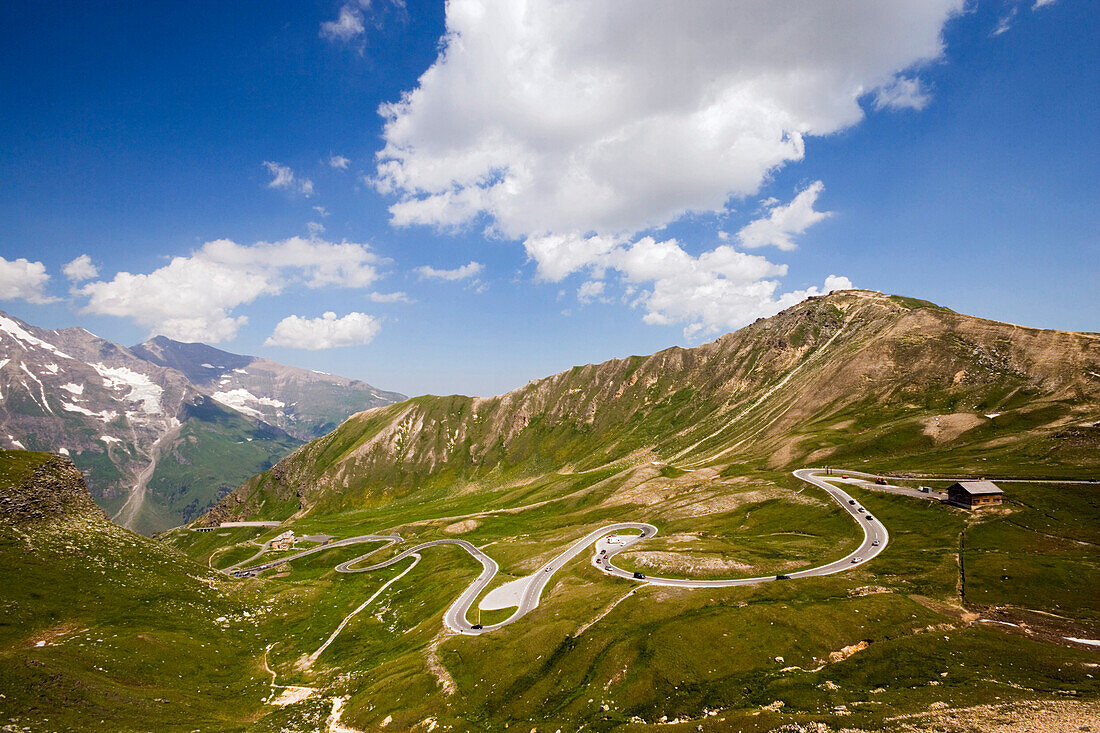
965,621
854,377
103,629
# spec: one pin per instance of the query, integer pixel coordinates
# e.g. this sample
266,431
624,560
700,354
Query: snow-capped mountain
158,443
305,403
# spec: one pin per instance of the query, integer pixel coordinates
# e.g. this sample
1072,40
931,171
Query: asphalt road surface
389,539
875,538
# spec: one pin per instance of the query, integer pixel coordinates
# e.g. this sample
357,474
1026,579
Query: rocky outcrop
54,488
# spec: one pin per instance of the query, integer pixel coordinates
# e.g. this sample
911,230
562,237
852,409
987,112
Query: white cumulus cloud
193,298
326,332
81,268
470,269
719,290
339,162
785,220
282,177
395,297
22,279
579,126
903,93
348,24
590,290
554,116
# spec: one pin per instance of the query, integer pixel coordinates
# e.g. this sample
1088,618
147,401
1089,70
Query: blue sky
614,179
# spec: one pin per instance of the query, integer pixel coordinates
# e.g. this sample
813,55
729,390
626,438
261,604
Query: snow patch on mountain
75,389
105,415
242,400
13,329
41,388
142,389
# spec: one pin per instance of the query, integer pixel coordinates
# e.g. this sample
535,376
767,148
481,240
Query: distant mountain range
164,429
304,403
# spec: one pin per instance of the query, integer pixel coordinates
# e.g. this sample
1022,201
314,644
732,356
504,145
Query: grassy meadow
894,637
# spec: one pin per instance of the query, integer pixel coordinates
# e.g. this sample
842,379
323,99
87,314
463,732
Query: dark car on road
851,501
477,626
639,576
782,577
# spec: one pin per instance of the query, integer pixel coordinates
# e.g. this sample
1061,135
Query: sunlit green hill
855,377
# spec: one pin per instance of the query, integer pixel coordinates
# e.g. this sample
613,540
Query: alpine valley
661,546
162,430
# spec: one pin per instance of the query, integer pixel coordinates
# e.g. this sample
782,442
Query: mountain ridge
903,376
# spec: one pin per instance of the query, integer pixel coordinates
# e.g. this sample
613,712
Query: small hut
974,494
283,541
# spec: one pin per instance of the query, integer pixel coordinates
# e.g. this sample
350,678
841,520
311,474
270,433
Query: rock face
50,487
157,448
849,376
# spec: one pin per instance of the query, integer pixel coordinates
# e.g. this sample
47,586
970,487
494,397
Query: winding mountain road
237,568
528,590
875,538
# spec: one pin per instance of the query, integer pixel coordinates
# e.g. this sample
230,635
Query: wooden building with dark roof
974,494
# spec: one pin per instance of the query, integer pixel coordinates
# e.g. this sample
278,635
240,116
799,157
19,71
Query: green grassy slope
700,442
104,629
962,608
855,650
216,449
854,378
